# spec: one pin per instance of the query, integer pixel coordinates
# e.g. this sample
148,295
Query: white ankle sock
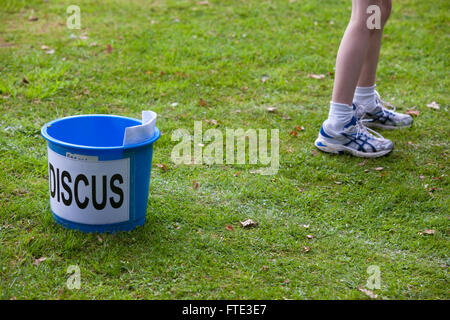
365,96
340,114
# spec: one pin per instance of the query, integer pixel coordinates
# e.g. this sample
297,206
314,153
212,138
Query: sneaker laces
361,129
385,103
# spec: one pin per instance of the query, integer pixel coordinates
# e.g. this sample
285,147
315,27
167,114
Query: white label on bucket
89,192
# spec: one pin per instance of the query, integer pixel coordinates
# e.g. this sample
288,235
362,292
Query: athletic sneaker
384,118
355,139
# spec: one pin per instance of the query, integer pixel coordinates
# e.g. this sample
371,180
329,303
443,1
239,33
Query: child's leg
341,132
352,52
366,96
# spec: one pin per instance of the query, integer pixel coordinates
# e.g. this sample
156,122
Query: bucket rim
49,138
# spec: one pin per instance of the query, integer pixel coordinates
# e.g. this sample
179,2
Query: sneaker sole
386,127
327,147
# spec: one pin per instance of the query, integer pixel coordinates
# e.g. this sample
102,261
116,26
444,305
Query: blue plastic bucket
96,183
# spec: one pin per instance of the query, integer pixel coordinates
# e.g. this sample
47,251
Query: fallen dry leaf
237,174
203,3
368,293
33,18
310,236
162,166
202,102
297,128
306,249
229,227
249,223
195,185
427,231
212,121
181,74
265,268
25,81
316,76
5,44
413,112
433,105
109,48
38,261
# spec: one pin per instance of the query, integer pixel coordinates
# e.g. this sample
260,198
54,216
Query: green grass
181,51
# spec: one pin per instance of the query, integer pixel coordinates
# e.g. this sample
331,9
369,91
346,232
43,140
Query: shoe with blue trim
355,139
383,118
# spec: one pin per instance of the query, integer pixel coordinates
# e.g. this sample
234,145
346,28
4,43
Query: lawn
322,219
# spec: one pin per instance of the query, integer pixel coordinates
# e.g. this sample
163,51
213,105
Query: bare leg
341,132
352,52
369,69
